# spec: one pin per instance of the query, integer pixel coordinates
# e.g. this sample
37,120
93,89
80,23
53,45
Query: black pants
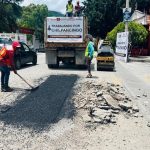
69,14
88,63
5,72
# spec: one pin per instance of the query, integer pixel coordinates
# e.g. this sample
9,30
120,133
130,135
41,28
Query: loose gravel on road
70,112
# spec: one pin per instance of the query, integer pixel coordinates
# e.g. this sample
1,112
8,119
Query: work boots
6,89
89,75
2,88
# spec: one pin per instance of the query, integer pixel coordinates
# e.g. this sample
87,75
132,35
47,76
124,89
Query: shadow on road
42,107
70,67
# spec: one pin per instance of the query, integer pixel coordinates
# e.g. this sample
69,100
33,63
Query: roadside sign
26,30
15,36
126,14
65,29
122,46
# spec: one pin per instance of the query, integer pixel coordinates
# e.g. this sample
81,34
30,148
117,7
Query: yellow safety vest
70,8
86,52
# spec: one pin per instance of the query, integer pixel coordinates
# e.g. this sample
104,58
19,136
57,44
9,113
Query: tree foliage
104,15
138,33
33,17
9,12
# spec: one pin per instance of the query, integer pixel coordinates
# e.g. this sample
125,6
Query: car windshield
105,51
105,48
5,41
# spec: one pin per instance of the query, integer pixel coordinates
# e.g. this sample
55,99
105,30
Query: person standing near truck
78,9
89,53
69,9
6,64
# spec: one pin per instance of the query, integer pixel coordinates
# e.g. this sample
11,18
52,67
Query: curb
139,60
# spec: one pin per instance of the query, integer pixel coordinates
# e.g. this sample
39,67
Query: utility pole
126,29
126,23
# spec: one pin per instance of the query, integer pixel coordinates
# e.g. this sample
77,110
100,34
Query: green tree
9,12
104,15
142,5
138,34
33,17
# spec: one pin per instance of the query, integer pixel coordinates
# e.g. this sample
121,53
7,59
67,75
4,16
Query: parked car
105,58
24,55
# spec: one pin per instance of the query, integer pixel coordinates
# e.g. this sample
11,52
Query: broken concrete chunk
136,115
145,95
114,89
107,119
97,120
125,106
111,101
100,99
113,120
101,113
135,108
148,124
99,94
119,97
115,111
104,107
130,111
86,118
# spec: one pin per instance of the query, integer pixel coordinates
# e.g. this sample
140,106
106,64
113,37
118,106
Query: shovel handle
25,80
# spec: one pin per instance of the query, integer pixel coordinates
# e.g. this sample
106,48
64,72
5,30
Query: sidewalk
140,59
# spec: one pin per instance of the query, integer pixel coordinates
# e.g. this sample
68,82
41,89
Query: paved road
38,120
136,78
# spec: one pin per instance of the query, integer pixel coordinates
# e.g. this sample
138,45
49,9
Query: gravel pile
103,102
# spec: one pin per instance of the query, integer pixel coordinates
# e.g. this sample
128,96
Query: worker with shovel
6,64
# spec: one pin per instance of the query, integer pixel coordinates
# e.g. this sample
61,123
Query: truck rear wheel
53,66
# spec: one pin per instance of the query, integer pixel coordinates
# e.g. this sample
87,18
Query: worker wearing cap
69,9
6,64
89,53
77,9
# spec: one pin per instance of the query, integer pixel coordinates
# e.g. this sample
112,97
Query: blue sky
57,5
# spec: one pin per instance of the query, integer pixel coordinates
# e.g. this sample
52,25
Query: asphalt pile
103,102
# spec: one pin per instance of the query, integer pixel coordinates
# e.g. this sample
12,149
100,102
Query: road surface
47,119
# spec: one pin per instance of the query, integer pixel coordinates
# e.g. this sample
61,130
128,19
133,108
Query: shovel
32,88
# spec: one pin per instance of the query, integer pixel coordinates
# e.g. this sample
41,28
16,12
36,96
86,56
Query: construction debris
103,102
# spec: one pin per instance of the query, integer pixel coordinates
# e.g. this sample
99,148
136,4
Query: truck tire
34,62
50,66
54,65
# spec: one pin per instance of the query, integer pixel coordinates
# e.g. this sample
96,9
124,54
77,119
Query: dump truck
64,40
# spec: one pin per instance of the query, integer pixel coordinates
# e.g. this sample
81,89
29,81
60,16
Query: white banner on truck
122,46
65,29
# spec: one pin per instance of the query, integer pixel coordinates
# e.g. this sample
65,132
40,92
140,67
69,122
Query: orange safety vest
3,53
